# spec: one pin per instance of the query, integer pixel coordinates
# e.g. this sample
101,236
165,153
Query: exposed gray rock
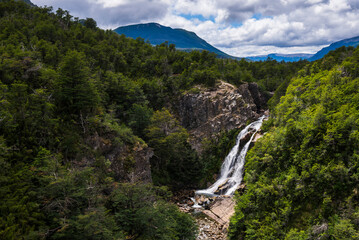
226,107
130,163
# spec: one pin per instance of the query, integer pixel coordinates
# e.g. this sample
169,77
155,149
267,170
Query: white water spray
232,168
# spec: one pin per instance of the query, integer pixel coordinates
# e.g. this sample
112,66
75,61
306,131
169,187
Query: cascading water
232,168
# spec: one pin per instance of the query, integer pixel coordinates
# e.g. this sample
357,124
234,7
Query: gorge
99,132
206,113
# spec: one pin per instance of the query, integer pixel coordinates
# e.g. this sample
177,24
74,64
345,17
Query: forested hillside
80,107
302,177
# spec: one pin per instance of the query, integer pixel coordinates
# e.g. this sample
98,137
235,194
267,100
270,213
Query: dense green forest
65,82
302,177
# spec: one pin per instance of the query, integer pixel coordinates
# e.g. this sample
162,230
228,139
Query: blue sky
237,27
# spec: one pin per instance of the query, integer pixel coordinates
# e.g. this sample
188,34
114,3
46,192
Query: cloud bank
240,28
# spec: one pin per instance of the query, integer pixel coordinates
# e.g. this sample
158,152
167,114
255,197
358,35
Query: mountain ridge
185,40
281,57
157,34
354,41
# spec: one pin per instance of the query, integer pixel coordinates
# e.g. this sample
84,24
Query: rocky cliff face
130,163
223,108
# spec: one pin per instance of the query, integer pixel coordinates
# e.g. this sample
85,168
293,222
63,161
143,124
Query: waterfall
232,168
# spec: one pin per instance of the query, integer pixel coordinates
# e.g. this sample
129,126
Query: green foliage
70,93
139,118
142,214
93,224
90,23
333,58
294,234
206,77
76,93
214,153
344,229
302,176
174,161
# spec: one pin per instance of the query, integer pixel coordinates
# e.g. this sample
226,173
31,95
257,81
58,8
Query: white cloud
110,3
205,8
112,13
239,27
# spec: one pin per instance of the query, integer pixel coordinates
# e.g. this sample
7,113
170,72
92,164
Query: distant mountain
29,2
346,42
26,1
157,34
281,57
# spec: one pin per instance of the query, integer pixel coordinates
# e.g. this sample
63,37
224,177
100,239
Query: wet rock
246,138
202,200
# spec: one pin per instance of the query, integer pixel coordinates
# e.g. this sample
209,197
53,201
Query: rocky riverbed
208,228
212,217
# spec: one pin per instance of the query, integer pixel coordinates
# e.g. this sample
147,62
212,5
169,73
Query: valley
104,136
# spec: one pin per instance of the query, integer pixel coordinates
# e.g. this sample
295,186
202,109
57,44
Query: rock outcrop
129,162
223,108
132,164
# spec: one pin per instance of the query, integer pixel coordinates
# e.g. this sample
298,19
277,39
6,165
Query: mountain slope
302,176
50,153
281,57
157,34
25,1
346,42
29,2
310,57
